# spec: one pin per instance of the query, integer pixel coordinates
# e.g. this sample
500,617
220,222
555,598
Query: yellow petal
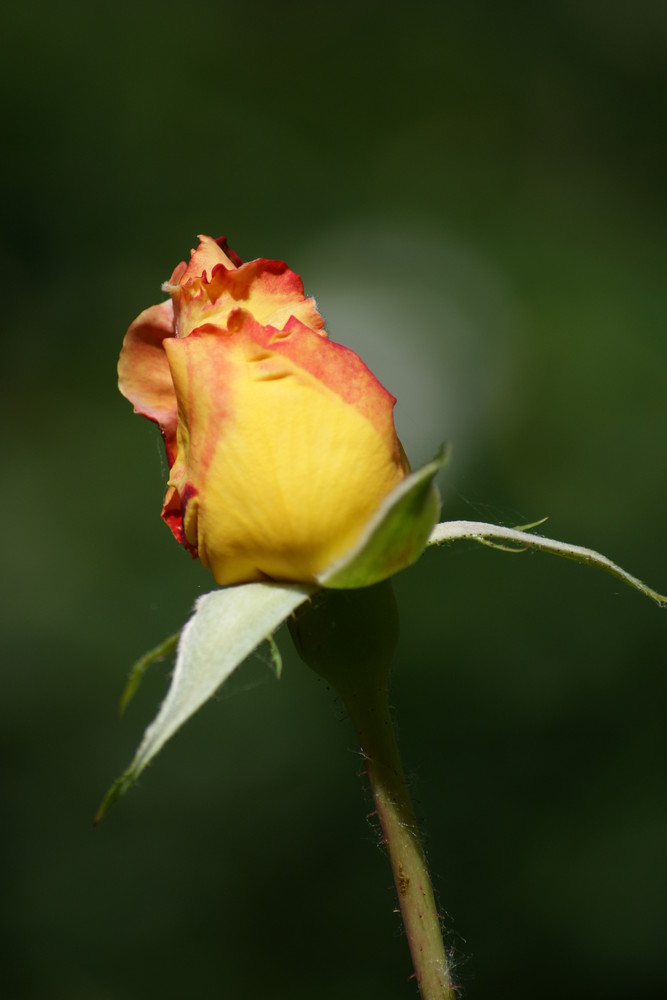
286,449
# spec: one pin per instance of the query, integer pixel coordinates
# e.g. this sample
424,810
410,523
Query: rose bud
281,443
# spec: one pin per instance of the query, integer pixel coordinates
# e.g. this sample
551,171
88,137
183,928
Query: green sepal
348,636
396,536
226,627
479,531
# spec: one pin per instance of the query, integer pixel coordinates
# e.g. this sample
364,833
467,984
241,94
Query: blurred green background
476,195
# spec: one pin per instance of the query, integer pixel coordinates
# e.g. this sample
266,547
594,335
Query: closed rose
281,444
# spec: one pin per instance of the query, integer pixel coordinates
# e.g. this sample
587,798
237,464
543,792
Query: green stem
349,637
368,708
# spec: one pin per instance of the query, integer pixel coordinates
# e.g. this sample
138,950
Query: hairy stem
349,637
369,711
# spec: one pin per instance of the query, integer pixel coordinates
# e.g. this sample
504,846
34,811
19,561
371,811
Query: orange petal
267,289
211,286
143,371
209,254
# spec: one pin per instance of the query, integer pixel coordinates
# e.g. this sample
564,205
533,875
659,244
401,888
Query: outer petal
286,448
143,371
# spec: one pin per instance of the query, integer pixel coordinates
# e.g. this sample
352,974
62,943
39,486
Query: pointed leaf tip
533,524
117,790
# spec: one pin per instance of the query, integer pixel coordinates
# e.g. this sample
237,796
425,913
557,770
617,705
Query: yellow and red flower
281,443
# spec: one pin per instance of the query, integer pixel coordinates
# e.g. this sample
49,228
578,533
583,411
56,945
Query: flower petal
143,371
173,514
209,255
266,288
286,448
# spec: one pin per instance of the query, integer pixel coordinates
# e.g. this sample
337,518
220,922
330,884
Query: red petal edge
173,515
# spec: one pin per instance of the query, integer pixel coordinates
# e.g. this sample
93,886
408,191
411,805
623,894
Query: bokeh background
475,193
